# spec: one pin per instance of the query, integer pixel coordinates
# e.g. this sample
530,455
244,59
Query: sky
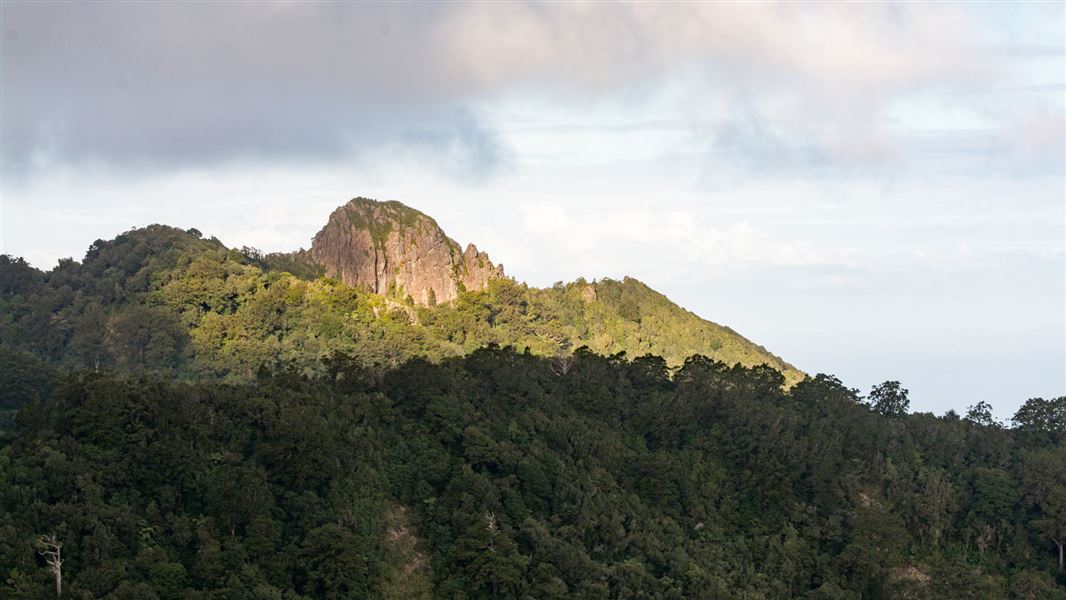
875,190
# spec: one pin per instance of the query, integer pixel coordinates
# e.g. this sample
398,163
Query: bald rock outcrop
390,248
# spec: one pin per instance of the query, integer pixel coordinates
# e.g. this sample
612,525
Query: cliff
389,248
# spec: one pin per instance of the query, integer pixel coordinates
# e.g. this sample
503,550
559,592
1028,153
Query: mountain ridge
160,297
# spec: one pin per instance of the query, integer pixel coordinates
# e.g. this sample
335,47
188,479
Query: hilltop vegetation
505,475
164,299
194,421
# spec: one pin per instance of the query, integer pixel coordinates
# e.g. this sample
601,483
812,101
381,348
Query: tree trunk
1060,544
59,581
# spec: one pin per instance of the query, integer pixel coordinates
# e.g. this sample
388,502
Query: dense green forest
502,474
169,300
183,420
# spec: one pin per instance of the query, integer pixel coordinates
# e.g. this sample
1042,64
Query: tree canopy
498,474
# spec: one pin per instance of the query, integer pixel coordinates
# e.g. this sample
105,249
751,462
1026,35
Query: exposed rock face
389,248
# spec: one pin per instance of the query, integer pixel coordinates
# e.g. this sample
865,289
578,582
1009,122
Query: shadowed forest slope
499,474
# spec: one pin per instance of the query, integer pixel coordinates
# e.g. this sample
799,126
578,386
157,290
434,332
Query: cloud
170,85
666,243
842,49
176,84
1039,135
796,87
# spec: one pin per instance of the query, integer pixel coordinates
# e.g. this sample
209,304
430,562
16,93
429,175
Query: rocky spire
390,248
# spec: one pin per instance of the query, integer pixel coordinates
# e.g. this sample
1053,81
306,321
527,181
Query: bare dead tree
561,364
490,524
985,538
50,548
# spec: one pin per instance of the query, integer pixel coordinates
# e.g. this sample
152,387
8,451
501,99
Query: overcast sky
871,190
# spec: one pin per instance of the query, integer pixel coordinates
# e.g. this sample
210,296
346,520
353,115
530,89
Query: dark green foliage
300,264
1043,421
981,413
501,475
16,277
23,379
197,422
889,399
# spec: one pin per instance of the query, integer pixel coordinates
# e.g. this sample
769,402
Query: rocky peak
390,248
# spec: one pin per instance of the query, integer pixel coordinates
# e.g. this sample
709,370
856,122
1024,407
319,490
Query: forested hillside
504,475
183,420
164,299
